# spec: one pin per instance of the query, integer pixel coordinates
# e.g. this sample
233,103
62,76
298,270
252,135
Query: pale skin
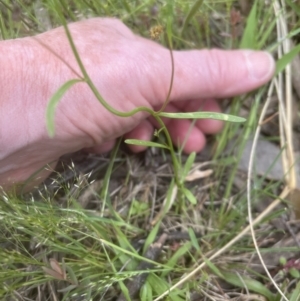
129,71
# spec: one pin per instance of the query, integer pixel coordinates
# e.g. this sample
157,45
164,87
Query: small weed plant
158,233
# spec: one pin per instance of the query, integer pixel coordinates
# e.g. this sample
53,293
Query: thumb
218,73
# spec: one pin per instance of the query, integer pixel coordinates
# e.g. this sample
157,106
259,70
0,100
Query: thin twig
287,156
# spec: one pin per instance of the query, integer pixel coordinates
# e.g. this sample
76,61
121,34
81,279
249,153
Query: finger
186,136
214,73
17,180
144,131
103,148
207,126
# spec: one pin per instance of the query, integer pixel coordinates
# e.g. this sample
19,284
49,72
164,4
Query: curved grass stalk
157,115
169,39
111,109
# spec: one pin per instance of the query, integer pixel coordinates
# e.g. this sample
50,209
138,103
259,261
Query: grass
84,239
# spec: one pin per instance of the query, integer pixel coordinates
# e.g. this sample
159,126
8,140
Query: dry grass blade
285,112
56,267
285,118
53,273
250,170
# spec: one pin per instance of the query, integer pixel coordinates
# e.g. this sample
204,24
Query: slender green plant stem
171,148
88,80
171,83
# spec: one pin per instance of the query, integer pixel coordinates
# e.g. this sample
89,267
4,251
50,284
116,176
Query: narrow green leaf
56,97
188,164
124,290
3,29
88,292
266,34
67,289
172,188
286,59
104,191
175,296
274,46
71,274
158,284
296,293
146,292
189,196
213,268
203,115
63,265
194,239
151,237
177,255
191,14
294,273
125,244
252,285
250,32
145,143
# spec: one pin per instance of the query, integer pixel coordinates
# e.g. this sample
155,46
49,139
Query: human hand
129,71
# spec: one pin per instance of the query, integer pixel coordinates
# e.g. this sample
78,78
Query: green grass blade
124,290
72,275
188,165
104,191
194,239
145,143
189,196
296,293
56,97
190,14
266,34
286,59
252,285
67,289
203,115
213,268
160,285
180,253
146,292
3,29
151,237
250,32
294,273
125,244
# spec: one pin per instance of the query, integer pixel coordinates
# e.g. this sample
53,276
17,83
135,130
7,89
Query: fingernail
260,64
